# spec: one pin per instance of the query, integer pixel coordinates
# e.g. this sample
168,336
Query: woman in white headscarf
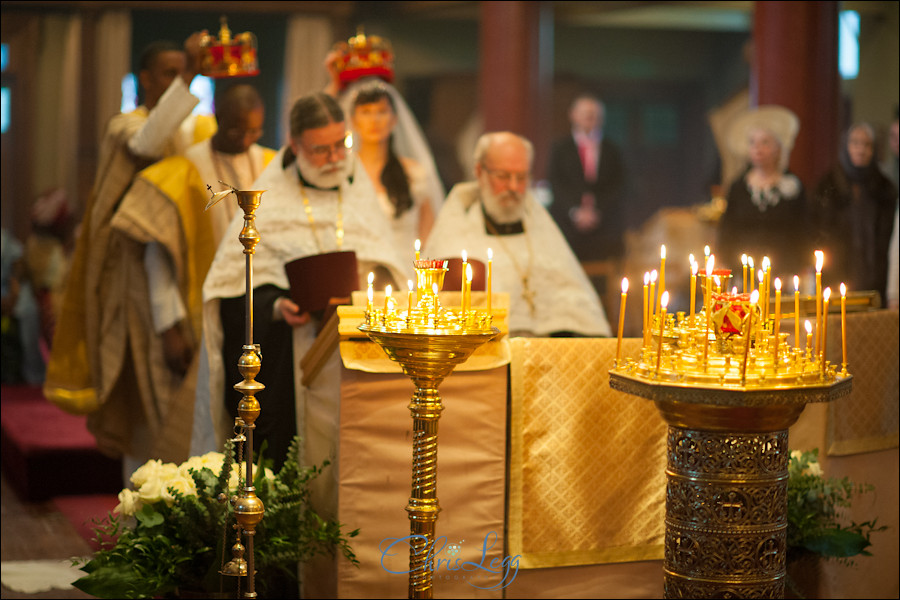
767,204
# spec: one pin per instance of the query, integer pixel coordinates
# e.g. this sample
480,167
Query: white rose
151,491
815,469
182,484
129,503
146,471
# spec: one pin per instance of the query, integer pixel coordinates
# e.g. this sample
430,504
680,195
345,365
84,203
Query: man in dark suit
586,177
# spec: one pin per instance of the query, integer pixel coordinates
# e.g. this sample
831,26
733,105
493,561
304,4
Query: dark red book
316,279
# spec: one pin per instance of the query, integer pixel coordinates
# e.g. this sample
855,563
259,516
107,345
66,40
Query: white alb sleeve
173,107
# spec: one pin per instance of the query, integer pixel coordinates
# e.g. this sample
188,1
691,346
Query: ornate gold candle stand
428,341
728,408
248,508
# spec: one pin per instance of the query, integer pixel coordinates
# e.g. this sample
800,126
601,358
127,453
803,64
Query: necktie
588,162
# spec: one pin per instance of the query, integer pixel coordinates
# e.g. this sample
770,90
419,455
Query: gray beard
327,176
498,211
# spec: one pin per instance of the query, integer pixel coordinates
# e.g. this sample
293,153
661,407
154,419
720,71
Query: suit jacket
568,184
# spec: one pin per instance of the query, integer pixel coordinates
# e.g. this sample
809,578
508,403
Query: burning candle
710,263
775,327
754,298
370,292
750,267
418,247
467,290
465,264
744,265
825,296
489,278
663,302
767,280
410,299
387,299
706,252
621,318
808,326
662,274
820,258
694,267
651,312
644,328
796,312
844,327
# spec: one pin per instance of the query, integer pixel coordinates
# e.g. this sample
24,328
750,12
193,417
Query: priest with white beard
317,200
549,293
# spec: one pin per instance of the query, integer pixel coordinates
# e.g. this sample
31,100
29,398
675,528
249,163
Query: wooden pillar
796,66
516,71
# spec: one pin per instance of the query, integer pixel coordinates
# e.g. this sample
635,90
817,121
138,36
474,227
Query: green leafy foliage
816,512
183,542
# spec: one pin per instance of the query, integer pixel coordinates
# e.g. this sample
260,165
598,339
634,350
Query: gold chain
338,222
527,293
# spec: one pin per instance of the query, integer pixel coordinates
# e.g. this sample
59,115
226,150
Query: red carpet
47,452
83,511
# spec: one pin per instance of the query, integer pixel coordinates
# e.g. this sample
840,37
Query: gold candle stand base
726,491
427,357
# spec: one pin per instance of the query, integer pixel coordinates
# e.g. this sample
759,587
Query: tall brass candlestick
248,508
754,298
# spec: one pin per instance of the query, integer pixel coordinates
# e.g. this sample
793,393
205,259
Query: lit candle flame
490,254
625,285
694,268
371,277
760,274
820,259
653,276
777,284
706,251
750,262
744,259
734,291
843,290
796,283
664,301
464,256
690,259
662,251
808,326
418,245
647,278
765,263
388,290
754,298
710,264
717,280
468,272
826,294
409,283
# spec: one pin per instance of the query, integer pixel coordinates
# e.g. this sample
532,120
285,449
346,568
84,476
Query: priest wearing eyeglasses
318,201
549,293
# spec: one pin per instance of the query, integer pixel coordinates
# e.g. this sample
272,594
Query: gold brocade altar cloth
587,463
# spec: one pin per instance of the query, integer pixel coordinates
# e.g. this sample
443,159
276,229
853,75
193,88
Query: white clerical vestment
548,289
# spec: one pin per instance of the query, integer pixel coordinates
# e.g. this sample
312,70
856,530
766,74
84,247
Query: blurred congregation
587,134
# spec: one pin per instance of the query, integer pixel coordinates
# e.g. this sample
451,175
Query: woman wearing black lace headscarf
854,209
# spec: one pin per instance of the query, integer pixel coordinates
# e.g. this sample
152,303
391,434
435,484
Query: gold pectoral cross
528,294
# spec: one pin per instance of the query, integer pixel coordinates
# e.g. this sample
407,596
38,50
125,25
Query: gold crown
229,55
363,56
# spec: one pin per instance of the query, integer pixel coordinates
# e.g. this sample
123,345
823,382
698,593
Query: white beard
330,175
507,207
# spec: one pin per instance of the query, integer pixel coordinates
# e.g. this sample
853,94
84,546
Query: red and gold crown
228,56
363,56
